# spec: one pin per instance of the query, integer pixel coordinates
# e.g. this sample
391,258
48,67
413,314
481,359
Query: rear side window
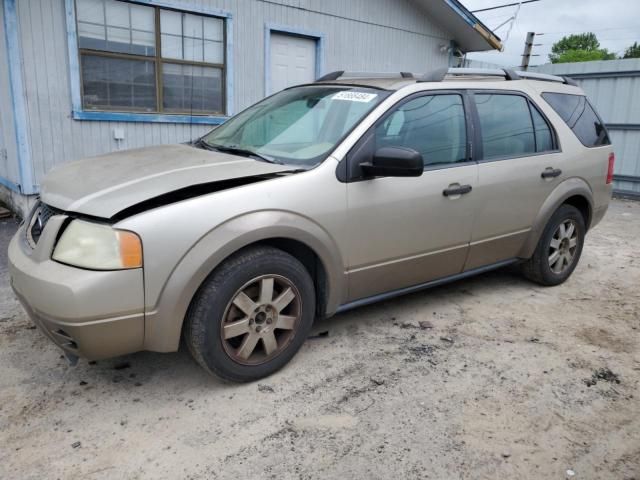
512,126
506,125
580,116
544,137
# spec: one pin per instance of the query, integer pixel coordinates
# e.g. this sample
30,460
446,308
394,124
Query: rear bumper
598,215
87,313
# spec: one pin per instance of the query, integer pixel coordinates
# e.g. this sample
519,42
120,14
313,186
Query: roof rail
508,74
343,75
440,74
331,76
546,77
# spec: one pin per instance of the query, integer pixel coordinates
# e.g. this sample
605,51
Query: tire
544,267
232,336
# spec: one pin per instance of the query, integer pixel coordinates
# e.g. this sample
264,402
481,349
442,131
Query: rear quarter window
580,116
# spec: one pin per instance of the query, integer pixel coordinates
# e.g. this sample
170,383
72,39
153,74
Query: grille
41,215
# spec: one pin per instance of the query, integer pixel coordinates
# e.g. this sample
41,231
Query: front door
293,61
407,231
519,167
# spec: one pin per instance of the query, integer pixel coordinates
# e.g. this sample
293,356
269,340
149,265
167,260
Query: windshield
299,126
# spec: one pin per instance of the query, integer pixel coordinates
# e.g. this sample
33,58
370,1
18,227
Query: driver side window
433,125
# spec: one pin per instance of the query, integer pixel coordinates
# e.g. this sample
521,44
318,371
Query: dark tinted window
576,111
505,121
544,137
433,125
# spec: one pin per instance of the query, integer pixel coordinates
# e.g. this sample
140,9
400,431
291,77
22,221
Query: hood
105,185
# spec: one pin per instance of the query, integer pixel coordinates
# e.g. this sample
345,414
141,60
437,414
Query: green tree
633,51
582,47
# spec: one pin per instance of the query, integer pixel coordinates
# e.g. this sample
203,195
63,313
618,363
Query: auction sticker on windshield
355,96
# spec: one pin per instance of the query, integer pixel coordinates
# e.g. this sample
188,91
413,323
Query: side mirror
394,162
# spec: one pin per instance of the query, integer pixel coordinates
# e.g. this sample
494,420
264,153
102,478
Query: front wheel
251,315
559,248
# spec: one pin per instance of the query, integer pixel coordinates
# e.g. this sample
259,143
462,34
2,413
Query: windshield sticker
355,96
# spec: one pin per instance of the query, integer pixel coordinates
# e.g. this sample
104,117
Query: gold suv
316,200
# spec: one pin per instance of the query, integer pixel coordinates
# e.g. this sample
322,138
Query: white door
293,61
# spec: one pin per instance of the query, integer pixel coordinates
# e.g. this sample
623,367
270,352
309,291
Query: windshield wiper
200,143
245,152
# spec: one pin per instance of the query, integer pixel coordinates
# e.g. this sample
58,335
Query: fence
613,86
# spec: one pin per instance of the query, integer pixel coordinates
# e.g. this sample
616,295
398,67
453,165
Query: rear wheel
251,315
559,248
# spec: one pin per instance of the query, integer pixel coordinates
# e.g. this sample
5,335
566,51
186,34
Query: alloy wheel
563,246
261,319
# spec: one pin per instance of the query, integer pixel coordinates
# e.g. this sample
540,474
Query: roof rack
545,77
341,74
440,74
508,74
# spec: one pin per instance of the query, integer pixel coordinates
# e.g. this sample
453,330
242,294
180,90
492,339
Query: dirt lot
503,380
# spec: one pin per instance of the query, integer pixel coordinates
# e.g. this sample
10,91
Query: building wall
358,35
613,86
8,148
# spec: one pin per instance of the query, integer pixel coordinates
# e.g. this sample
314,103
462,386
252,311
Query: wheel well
311,262
583,206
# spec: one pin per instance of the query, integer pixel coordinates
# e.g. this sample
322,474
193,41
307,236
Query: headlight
98,247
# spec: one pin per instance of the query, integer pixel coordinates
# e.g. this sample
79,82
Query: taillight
612,161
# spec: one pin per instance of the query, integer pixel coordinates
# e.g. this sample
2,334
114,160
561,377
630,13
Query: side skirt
423,286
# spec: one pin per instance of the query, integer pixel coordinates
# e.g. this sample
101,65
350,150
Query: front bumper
91,314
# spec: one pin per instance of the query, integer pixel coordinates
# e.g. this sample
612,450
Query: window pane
143,43
171,46
117,14
170,22
506,126
544,139
213,52
580,116
90,11
192,26
143,18
115,26
118,39
193,49
213,29
190,88
91,36
192,37
115,83
433,125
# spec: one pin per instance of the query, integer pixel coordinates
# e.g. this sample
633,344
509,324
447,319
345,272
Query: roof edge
473,21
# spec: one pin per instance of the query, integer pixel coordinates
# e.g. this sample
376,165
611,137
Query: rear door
519,166
405,231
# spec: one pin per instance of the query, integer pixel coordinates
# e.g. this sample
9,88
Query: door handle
454,190
551,173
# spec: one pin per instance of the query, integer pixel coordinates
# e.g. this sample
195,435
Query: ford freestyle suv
316,200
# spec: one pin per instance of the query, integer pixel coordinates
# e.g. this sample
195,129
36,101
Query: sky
615,22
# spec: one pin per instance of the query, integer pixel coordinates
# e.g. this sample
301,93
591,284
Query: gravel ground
492,378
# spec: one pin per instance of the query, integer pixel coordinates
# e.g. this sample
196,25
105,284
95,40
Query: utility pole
528,47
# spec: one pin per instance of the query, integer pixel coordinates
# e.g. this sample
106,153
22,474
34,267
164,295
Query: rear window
580,116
